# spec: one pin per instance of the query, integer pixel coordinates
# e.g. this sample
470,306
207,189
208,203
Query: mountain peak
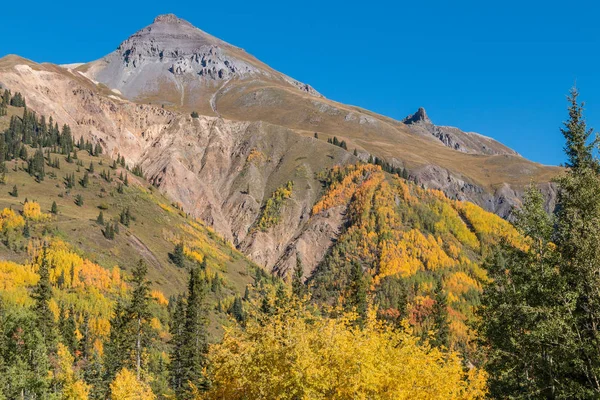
419,117
168,18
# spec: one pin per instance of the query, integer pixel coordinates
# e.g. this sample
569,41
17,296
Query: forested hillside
110,291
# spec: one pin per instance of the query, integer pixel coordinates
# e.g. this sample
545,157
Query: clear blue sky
499,68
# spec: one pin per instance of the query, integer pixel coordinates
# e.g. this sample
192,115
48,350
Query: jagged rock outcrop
419,117
467,142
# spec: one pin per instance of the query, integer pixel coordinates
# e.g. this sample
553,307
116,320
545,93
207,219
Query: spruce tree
237,310
177,330
541,309
54,208
297,278
42,294
195,345
357,296
100,219
118,349
178,256
85,180
440,317
138,313
67,327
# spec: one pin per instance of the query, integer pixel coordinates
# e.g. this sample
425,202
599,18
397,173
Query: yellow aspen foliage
166,208
77,271
159,297
340,192
125,386
10,221
33,212
100,326
72,387
459,283
14,280
98,347
53,306
255,157
298,355
488,224
155,324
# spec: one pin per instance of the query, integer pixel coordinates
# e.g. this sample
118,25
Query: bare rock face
420,117
171,59
466,142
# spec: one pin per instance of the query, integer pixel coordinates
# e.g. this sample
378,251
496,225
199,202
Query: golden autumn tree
72,387
297,355
126,386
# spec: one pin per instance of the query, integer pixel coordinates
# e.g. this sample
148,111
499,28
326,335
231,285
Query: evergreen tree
138,313
177,330
297,278
85,180
237,310
54,208
67,328
178,256
42,294
79,200
195,345
440,317
91,167
118,349
14,192
357,296
100,219
125,217
94,374
541,310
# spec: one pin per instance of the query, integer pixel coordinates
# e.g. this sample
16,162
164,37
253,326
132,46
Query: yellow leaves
155,324
53,306
271,213
159,297
410,252
488,224
194,255
98,347
14,280
297,355
459,283
78,390
197,244
76,271
100,327
125,386
340,192
166,208
33,212
255,157
72,388
9,220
